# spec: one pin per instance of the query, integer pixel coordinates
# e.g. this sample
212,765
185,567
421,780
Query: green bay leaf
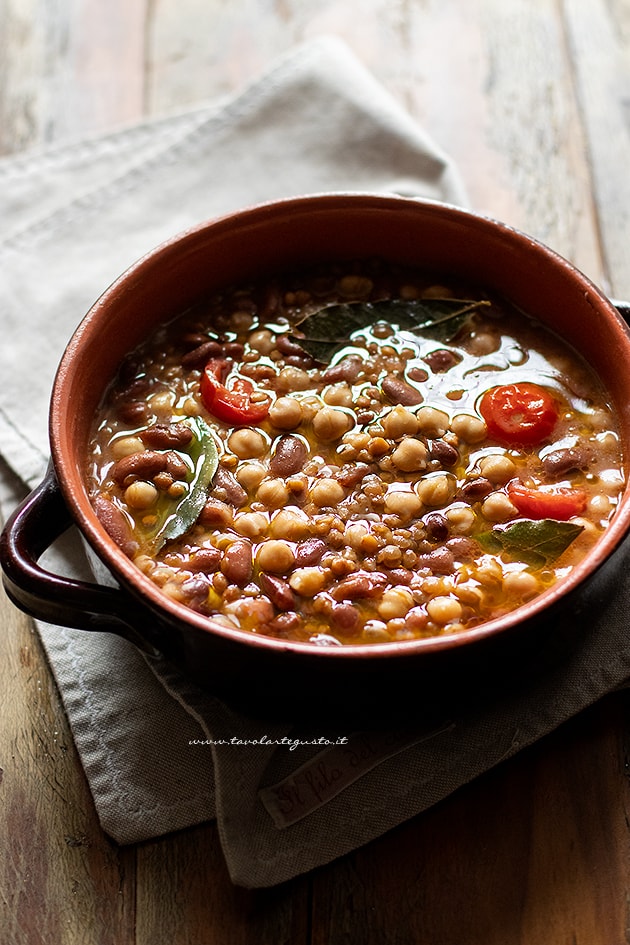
176,516
329,329
537,542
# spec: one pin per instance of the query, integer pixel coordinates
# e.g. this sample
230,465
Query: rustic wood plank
67,70
185,896
599,35
62,880
490,81
534,851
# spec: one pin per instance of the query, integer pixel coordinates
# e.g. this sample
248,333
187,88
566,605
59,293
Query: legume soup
355,454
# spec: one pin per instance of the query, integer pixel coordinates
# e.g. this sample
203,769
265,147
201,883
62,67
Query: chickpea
126,446
338,395
247,443
497,468
489,571
330,423
273,493
308,581
399,422
432,422
162,403
262,341
327,492
250,475
355,533
293,378
600,506
251,524
286,413
275,556
444,610
461,519
141,495
375,631
241,321
292,524
468,428
405,504
410,455
436,491
498,508
520,584
395,603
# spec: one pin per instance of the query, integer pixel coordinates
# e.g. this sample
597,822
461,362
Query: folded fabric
159,753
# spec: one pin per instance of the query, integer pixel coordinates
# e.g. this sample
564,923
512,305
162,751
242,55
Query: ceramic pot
272,674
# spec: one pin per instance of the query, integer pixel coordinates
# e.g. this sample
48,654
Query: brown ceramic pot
273,674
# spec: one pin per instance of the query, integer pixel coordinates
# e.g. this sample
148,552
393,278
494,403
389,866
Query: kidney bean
476,489
278,591
286,345
358,585
285,624
418,374
443,452
352,474
216,514
134,411
440,561
227,488
143,465
175,465
399,392
196,590
289,456
347,370
562,461
309,552
258,372
232,349
437,527
345,616
167,436
115,524
441,360
237,564
199,356
463,547
400,576
205,560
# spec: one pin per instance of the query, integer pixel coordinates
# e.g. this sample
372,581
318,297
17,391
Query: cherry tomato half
519,414
558,502
231,404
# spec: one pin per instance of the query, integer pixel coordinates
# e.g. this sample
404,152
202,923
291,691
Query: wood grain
531,100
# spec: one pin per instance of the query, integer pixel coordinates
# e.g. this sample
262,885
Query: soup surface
355,454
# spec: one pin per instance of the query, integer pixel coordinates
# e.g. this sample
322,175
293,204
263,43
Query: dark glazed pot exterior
271,238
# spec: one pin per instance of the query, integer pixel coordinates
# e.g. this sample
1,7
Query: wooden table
530,97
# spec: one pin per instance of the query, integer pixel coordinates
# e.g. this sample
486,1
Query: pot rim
130,575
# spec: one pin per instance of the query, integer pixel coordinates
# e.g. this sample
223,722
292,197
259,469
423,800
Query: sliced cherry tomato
558,502
519,414
231,404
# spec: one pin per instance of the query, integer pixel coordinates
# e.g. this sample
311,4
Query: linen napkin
159,753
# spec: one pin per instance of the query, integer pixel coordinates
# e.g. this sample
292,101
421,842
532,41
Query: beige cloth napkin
159,753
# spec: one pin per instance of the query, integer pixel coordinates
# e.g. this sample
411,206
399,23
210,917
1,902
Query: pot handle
41,518
623,308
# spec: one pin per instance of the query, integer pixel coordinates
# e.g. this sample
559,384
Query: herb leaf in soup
535,542
329,329
175,516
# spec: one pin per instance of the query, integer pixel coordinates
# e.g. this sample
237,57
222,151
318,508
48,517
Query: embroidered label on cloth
330,772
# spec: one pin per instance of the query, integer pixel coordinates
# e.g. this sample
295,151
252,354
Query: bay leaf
537,542
329,329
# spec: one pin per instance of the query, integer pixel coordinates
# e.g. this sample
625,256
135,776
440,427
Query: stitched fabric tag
329,772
